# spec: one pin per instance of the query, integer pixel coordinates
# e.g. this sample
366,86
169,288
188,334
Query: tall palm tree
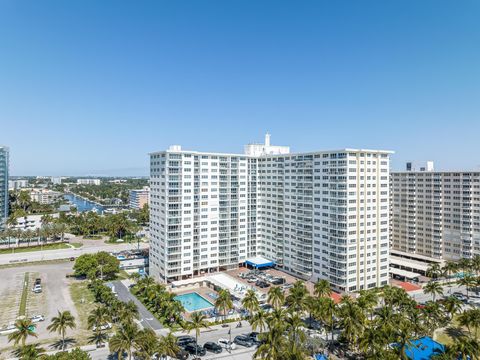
99,317
259,321
29,352
250,302
275,297
168,346
452,305
127,312
198,321
434,271
297,295
124,339
466,348
468,281
322,288
224,302
327,309
61,323
24,329
471,320
434,288
98,337
274,344
146,344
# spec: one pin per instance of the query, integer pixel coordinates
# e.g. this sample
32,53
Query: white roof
258,260
417,265
407,274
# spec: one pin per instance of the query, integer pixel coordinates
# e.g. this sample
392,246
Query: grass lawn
57,246
23,299
84,302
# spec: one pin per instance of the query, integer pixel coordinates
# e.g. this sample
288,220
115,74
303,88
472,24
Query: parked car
37,318
38,281
243,341
103,327
254,337
212,347
37,289
185,340
262,284
287,286
182,355
278,281
224,343
195,349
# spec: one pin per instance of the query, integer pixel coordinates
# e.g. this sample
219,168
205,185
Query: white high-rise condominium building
435,214
317,215
3,185
88,181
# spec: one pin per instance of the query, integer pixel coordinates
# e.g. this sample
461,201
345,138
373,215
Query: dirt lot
55,296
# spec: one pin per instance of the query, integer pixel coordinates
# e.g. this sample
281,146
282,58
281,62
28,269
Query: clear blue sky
93,86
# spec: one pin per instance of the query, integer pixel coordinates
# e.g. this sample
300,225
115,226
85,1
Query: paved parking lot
55,295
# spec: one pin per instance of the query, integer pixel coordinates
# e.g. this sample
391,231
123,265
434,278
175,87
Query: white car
37,289
37,318
224,343
103,327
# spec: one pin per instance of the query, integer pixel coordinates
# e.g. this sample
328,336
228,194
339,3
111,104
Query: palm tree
274,344
25,328
434,271
259,321
60,323
98,337
167,346
198,321
466,348
99,317
434,288
468,281
146,344
327,311
403,336
224,302
124,339
452,305
250,302
275,297
471,320
29,352
322,288
297,295
128,311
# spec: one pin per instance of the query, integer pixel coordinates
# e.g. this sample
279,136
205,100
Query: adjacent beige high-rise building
435,214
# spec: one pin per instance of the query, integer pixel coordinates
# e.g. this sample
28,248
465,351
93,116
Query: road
32,256
146,318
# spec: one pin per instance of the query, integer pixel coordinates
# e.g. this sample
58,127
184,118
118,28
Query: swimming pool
193,302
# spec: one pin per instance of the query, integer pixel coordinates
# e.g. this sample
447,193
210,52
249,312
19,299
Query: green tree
74,354
168,346
322,288
101,265
275,297
197,322
29,352
61,323
146,344
250,302
124,339
434,288
224,302
24,329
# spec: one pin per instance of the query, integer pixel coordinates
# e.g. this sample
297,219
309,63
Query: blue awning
259,262
320,357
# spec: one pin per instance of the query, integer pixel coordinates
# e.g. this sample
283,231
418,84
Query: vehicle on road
184,340
226,344
37,318
195,349
212,347
243,341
